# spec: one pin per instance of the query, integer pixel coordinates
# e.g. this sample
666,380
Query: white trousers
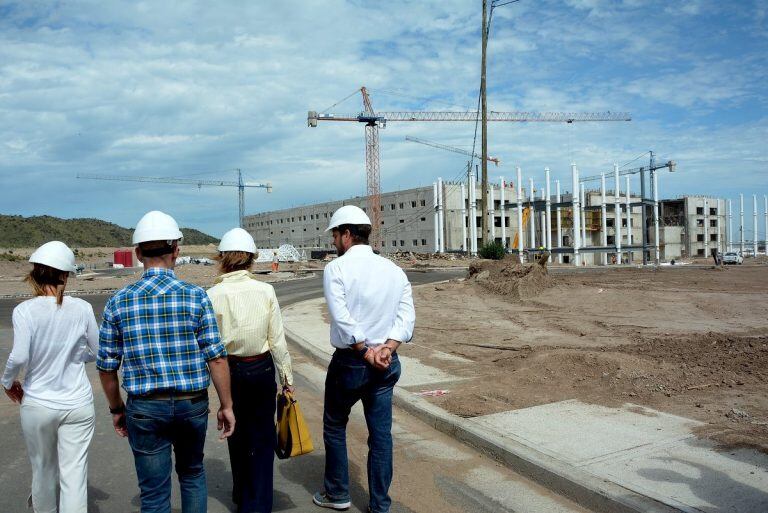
57,443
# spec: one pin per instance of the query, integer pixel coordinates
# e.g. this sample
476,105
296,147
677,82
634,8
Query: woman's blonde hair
42,276
230,261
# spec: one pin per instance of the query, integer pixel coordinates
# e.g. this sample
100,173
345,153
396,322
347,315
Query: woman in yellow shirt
251,327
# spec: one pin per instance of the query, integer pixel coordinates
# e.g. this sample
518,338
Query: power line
634,159
413,97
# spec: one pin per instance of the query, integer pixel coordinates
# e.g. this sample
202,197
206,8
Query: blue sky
200,88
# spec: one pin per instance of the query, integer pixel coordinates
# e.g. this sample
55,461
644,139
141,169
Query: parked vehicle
732,258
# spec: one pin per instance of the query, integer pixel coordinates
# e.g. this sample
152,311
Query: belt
167,395
246,359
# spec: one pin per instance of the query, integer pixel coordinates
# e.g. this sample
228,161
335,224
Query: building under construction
421,220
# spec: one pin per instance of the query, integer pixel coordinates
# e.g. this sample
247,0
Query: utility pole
484,132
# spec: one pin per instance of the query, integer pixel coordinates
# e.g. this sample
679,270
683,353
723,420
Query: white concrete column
706,228
730,227
437,222
520,235
464,219
503,211
542,221
532,217
440,213
576,215
765,233
558,221
491,211
656,215
583,203
754,224
628,201
741,224
617,212
473,214
603,220
719,238
547,212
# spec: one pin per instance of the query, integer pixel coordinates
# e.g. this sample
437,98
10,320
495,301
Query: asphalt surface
433,471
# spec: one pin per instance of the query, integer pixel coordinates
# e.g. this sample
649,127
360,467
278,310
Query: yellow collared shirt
249,319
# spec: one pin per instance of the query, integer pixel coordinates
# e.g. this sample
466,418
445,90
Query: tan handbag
293,438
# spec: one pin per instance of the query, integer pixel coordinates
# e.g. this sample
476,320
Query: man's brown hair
358,232
157,248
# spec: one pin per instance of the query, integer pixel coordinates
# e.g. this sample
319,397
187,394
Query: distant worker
53,336
251,327
275,262
163,332
371,309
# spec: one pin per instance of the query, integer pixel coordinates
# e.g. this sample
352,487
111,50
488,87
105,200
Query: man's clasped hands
380,356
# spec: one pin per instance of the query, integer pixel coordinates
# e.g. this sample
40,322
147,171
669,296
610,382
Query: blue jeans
154,426
349,380
252,445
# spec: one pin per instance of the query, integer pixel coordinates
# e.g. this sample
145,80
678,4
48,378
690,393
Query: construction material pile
410,256
510,278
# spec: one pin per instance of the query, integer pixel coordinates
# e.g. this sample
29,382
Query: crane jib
519,117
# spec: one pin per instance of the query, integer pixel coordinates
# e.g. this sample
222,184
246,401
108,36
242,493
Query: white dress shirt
369,299
52,342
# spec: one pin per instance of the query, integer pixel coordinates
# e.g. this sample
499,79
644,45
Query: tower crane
495,160
652,202
240,184
373,120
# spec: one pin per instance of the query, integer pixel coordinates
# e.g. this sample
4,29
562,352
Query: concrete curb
590,491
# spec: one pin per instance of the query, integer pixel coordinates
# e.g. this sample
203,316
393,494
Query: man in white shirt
371,308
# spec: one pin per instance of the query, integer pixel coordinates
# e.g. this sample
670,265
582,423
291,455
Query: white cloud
148,89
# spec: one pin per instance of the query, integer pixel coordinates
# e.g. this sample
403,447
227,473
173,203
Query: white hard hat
237,239
156,225
54,254
348,214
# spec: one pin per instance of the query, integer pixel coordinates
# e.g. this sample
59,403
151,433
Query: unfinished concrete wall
407,222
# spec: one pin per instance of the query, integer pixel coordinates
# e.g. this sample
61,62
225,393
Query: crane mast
372,166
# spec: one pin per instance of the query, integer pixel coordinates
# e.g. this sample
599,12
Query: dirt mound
712,359
511,279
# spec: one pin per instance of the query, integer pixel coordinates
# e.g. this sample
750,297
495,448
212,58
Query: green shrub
10,257
492,250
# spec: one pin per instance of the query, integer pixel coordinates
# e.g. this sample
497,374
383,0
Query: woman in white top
53,336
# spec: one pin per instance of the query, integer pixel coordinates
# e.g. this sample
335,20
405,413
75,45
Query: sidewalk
626,459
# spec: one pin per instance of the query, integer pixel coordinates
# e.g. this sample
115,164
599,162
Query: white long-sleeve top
53,342
369,299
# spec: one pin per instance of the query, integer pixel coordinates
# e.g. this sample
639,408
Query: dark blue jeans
154,426
252,445
349,380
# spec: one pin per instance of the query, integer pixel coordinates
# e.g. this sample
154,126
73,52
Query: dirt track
689,341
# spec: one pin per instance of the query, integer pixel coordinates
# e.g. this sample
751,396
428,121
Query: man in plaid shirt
163,332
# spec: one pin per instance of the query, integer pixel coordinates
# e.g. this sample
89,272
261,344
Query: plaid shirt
164,331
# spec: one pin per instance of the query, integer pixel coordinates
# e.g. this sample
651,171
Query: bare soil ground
689,341
13,272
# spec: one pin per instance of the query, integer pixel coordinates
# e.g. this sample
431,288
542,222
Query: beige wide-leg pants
57,443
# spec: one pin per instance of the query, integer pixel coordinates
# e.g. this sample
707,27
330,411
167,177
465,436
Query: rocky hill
25,232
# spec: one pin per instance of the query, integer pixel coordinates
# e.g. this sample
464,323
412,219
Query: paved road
433,472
